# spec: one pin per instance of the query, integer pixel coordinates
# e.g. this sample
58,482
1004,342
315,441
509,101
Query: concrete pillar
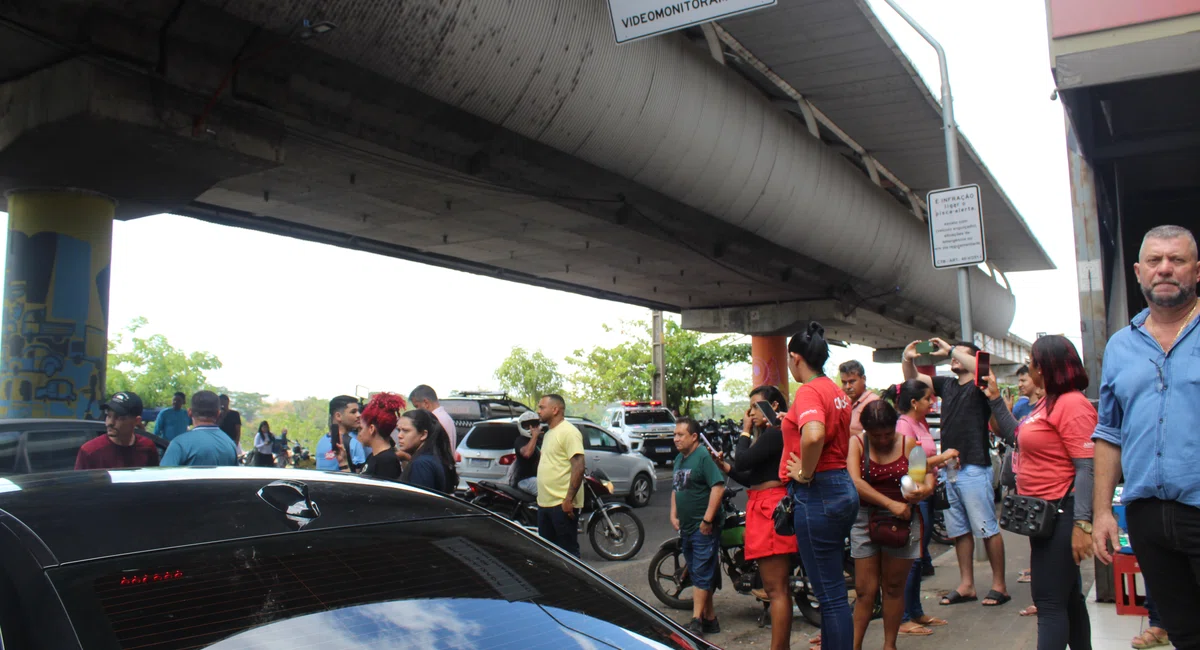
55,322
769,356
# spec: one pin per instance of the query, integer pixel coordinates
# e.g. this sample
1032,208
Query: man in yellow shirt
559,476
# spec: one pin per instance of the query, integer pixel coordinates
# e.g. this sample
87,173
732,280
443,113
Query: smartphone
926,347
768,412
708,444
983,368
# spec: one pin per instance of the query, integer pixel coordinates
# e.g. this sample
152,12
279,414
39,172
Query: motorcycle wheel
938,536
669,578
624,543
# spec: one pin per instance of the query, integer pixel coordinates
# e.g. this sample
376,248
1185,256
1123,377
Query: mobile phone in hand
983,368
926,347
768,412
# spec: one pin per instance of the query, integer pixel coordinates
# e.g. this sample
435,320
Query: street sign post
956,227
636,19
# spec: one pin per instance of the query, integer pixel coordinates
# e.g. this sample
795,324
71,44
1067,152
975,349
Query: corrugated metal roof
838,55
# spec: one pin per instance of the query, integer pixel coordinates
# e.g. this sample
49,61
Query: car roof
16,423
513,421
146,509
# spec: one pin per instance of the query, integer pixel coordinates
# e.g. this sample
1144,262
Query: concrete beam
782,319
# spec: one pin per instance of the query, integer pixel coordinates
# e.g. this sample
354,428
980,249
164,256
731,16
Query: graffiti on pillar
767,372
54,327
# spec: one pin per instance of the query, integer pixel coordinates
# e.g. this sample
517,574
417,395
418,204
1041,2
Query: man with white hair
1147,431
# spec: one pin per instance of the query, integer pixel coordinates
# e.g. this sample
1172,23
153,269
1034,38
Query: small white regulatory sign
956,227
634,19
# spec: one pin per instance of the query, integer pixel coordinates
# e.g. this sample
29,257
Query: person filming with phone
972,511
757,466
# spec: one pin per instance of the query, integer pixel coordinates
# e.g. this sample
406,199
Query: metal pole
660,359
950,131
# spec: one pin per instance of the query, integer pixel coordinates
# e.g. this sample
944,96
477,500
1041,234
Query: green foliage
153,368
625,371
250,405
306,420
526,377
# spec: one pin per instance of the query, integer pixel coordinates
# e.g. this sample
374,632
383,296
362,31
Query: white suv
646,427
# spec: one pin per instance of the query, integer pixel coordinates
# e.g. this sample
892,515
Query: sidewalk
1109,630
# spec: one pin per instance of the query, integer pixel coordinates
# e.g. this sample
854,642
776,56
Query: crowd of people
837,461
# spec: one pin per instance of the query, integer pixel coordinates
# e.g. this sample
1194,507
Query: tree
527,377
625,371
306,420
153,368
250,405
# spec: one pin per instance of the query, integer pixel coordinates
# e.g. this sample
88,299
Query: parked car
31,446
245,557
487,452
468,408
646,427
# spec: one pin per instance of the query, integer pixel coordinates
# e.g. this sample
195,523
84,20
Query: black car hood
82,516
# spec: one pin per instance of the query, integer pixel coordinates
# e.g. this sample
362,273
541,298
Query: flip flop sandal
954,598
1026,576
931,621
917,630
996,596
1029,611
1149,639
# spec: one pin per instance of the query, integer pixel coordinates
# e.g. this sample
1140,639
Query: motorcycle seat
516,493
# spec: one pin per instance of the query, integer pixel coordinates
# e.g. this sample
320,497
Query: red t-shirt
1050,443
820,400
102,453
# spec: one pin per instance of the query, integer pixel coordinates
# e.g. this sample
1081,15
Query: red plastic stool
1129,603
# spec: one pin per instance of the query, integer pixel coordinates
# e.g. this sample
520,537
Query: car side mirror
622,447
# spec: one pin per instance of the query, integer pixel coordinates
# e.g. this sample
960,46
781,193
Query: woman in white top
264,446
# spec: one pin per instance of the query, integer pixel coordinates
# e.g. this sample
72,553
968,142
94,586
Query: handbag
785,516
1031,516
941,498
884,528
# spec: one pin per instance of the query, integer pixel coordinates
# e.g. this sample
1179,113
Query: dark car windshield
465,582
492,437
649,417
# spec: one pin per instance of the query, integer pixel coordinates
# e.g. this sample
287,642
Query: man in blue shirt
343,423
1149,430
206,444
172,422
1029,394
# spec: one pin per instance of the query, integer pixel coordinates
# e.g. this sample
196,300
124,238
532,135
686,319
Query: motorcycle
668,572
615,532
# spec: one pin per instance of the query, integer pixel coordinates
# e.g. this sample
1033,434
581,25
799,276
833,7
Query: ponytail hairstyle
903,395
437,444
383,411
811,346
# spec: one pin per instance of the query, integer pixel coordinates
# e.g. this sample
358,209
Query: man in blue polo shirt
1147,431
205,444
343,423
172,422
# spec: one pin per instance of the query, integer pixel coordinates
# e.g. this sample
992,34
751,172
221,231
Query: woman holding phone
757,466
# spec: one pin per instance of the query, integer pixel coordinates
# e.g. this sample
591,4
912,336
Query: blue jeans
972,508
912,589
1154,619
700,555
825,513
556,527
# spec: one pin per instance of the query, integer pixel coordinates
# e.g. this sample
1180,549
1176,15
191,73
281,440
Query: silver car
488,451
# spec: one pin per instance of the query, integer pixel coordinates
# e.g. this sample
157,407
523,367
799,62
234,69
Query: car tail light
151,577
508,459
457,457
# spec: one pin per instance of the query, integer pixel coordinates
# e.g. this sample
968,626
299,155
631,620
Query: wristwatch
705,521
1085,526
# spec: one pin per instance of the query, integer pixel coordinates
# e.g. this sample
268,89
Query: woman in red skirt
757,467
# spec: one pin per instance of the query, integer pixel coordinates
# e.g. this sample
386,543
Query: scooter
615,532
669,577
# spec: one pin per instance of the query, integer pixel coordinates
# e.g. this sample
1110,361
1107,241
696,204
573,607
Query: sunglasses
529,424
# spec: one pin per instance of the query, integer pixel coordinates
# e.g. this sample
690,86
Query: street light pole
950,131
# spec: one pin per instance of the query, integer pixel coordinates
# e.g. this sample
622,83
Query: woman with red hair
375,433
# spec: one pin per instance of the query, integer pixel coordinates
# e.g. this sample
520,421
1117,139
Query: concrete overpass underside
681,173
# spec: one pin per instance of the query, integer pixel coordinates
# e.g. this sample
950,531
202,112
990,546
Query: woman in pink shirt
914,399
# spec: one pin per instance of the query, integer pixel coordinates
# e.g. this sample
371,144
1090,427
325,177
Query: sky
294,319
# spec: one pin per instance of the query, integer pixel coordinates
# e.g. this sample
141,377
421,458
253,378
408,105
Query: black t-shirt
758,463
229,423
965,415
526,467
385,464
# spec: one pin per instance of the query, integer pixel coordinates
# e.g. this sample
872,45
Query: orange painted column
769,356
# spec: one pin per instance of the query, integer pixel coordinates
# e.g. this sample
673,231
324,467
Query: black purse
1031,516
941,498
785,516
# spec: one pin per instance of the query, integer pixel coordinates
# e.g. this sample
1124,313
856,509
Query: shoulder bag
883,528
1031,516
784,516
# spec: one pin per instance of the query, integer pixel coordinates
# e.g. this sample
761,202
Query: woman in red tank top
878,485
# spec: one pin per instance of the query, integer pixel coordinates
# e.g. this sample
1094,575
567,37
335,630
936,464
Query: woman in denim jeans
816,434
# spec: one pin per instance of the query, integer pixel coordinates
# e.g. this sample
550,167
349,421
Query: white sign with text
634,19
956,227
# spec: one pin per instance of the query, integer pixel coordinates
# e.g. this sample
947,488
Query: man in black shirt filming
523,474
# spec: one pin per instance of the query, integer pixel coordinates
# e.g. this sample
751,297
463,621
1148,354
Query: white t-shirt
447,424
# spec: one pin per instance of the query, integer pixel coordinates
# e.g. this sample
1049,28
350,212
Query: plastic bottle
917,464
952,470
907,485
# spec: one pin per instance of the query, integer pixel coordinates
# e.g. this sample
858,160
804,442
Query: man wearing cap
524,469
206,443
121,447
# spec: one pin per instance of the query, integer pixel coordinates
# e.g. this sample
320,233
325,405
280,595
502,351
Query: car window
467,582
499,410
598,440
649,417
55,451
10,442
492,437
463,408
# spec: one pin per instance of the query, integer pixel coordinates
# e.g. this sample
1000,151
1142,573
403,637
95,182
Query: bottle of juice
917,464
